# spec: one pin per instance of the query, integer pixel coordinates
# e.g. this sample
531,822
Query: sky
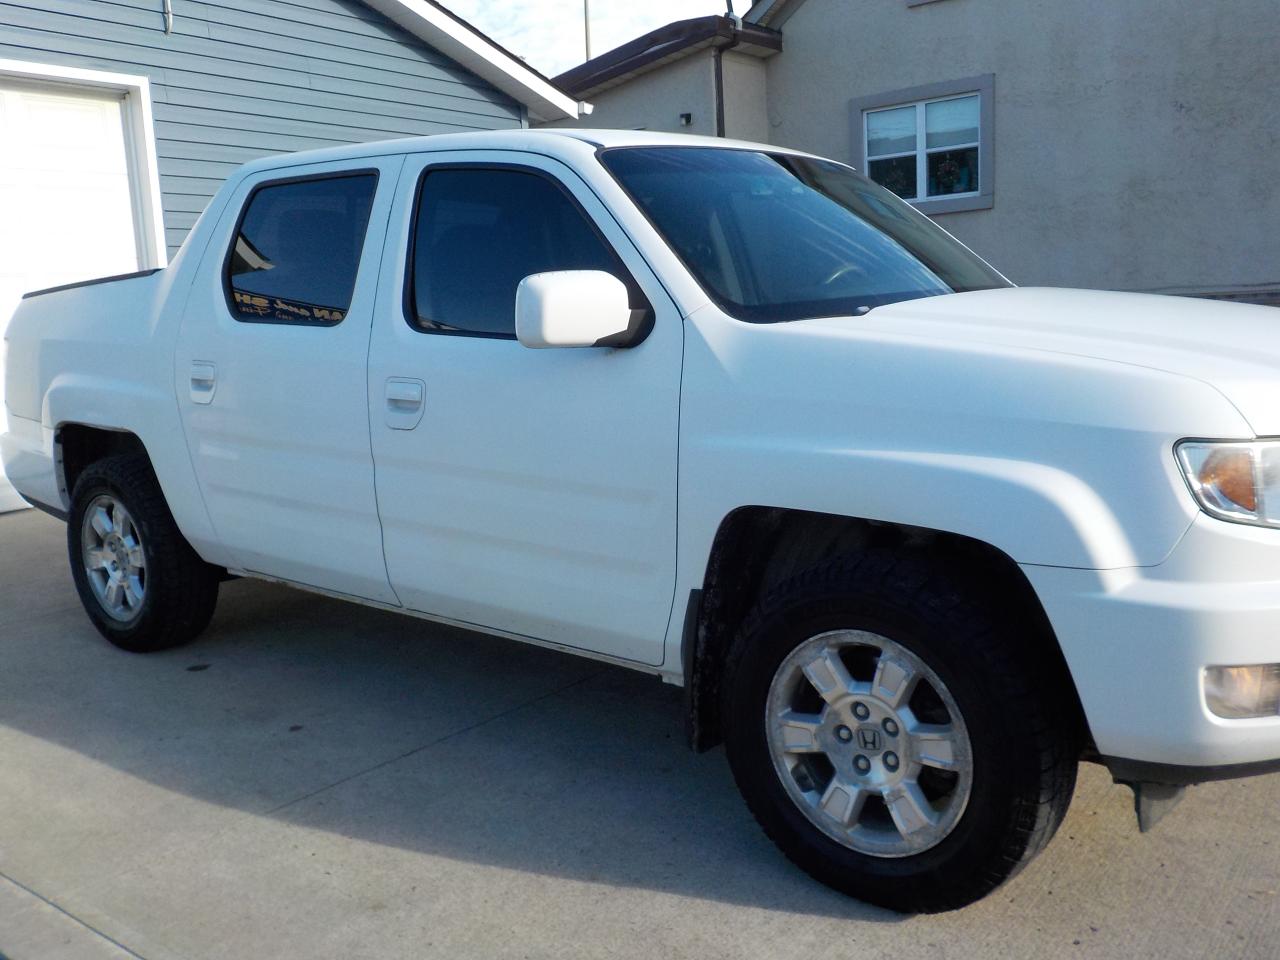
548,33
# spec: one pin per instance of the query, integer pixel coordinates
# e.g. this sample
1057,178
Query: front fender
1054,459
1039,512
1035,513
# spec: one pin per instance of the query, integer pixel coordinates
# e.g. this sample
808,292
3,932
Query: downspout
719,83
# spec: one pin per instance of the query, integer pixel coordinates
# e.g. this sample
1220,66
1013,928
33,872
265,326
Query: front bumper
1137,642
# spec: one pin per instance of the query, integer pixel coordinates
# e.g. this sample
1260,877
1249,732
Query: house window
930,145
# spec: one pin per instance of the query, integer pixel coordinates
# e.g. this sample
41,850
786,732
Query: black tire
181,589
1024,754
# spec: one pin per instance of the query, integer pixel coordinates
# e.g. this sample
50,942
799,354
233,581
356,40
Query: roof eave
469,48
673,41
771,13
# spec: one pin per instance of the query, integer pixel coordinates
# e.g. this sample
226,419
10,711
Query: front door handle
405,402
204,381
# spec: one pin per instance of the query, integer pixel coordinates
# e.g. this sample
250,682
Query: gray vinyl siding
239,79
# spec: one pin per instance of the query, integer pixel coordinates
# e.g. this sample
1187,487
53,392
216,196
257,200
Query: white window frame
923,151
919,97
139,138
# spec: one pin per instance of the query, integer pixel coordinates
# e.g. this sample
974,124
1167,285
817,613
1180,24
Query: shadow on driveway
384,728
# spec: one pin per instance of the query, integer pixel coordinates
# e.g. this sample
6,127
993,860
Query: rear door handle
405,402
204,381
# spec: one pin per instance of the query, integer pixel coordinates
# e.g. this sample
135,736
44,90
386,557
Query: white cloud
548,33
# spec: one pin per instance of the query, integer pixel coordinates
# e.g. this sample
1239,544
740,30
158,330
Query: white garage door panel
66,199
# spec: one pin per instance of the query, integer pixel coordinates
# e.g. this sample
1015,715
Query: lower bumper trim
1142,771
56,512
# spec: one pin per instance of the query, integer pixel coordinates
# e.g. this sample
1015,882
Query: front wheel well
757,549
77,445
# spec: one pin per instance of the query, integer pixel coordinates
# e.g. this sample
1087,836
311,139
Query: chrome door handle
405,402
204,381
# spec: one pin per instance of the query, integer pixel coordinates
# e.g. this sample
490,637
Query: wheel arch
79,442
77,445
757,548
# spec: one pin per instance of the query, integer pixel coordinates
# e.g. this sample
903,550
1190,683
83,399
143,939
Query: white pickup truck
916,542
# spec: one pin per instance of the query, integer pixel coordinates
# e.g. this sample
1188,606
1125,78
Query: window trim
409,311
244,210
982,85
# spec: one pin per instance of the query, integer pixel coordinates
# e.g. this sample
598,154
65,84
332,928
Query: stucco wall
655,100
1137,144
744,97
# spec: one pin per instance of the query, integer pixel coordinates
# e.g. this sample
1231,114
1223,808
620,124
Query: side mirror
576,308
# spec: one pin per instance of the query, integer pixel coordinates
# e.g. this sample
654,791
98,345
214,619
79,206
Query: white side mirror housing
574,308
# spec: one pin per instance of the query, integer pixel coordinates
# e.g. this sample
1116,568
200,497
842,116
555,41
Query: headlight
1235,480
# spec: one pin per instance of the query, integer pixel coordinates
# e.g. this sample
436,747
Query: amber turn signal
1230,473
1236,480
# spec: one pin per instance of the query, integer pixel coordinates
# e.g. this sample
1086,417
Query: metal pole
586,24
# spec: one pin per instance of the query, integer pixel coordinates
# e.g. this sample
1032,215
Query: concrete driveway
312,779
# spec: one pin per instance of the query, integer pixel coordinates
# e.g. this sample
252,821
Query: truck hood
1233,347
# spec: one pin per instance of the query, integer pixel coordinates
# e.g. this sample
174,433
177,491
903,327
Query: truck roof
559,142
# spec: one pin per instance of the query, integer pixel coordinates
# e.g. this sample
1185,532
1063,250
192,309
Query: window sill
983,201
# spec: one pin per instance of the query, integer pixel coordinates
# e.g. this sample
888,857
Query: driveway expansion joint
70,916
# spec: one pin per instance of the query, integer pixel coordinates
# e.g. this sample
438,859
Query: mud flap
1151,801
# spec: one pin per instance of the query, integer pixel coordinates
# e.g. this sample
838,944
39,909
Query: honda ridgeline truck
915,541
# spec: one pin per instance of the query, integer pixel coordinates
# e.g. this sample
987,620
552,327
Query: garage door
65,194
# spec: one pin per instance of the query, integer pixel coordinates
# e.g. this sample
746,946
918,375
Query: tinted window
295,257
479,233
781,238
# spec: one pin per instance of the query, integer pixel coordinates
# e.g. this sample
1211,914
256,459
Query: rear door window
297,249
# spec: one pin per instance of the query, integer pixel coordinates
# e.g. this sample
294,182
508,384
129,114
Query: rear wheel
893,737
139,580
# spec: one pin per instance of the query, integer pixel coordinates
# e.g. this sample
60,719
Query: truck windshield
772,237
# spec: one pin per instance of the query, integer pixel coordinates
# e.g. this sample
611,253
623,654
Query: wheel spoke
829,676
101,522
121,522
910,810
115,593
96,559
934,745
133,593
894,680
137,559
842,801
799,732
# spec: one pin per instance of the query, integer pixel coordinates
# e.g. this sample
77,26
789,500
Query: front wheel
892,737
140,582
